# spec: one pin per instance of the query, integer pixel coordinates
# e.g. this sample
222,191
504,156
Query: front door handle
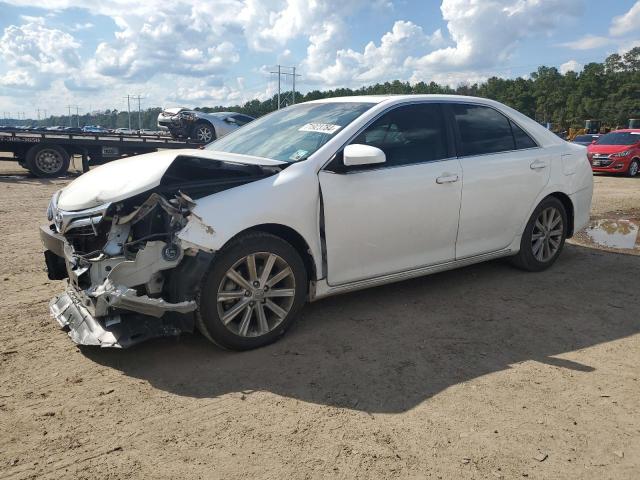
538,165
447,178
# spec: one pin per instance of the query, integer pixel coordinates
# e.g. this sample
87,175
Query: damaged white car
316,199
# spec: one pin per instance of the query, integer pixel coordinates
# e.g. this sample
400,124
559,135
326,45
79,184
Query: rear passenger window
408,134
482,130
522,139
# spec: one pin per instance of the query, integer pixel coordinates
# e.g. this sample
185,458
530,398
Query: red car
616,152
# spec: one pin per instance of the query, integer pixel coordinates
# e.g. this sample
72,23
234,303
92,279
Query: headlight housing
620,154
51,209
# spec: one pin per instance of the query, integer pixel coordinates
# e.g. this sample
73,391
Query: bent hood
128,177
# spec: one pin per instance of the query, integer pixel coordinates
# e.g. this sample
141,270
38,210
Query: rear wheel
543,237
253,292
47,161
634,167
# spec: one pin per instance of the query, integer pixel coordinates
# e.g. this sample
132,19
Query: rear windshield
619,138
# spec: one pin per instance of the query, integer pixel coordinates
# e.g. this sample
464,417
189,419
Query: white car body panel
373,207
124,178
497,193
289,198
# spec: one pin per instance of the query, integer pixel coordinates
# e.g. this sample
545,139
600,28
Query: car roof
404,98
625,130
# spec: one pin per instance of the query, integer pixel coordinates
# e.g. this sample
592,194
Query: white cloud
627,23
82,26
570,66
327,66
35,54
588,42
485,33
482,35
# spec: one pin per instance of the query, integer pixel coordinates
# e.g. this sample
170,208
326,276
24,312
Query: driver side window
408,134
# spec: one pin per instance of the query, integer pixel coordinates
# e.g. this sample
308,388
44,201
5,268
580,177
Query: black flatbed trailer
48,154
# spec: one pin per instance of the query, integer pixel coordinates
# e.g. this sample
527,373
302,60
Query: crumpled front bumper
119,331
109,314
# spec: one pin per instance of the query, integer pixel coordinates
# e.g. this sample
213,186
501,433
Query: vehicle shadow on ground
390,348
26,178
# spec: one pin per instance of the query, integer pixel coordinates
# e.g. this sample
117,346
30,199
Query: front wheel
252,293
203,133
543,237
634,167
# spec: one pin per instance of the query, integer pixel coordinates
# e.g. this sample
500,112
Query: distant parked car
94,129
587,139
199,126
616,152
124,131
72,130
56,128
146,131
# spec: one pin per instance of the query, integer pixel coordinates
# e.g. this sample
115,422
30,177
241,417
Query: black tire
526,259
208,319
203,132
634,167
47,161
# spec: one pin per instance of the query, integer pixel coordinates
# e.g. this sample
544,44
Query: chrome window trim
426,101
372,120
480,104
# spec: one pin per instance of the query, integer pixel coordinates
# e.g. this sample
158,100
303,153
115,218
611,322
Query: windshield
619,138
293,133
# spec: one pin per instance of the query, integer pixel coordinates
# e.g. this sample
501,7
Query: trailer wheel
47,161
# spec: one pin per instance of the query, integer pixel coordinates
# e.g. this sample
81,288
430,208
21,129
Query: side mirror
358,154
230,120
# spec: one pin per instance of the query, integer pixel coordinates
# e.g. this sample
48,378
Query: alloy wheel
633,168
49,161
256,294
546,237
204,134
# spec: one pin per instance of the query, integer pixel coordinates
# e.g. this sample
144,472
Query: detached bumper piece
120,331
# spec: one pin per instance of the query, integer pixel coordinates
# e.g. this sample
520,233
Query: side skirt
321,289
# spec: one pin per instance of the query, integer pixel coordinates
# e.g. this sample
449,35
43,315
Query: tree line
607,91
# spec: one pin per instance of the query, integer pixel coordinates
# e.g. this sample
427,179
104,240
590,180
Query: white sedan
316,199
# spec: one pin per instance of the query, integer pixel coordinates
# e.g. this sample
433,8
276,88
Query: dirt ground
483,372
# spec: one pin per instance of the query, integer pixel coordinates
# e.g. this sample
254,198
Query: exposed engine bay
130,277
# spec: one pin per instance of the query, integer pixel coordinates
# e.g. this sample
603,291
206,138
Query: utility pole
78,115
129,109
138,97
293,87
283,97
69,109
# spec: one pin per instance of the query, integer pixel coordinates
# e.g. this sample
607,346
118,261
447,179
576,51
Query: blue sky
218,52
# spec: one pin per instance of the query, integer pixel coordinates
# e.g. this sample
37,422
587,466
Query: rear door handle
538,165
447,178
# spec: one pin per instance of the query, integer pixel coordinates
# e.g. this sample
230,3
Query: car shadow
27,178
388,349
